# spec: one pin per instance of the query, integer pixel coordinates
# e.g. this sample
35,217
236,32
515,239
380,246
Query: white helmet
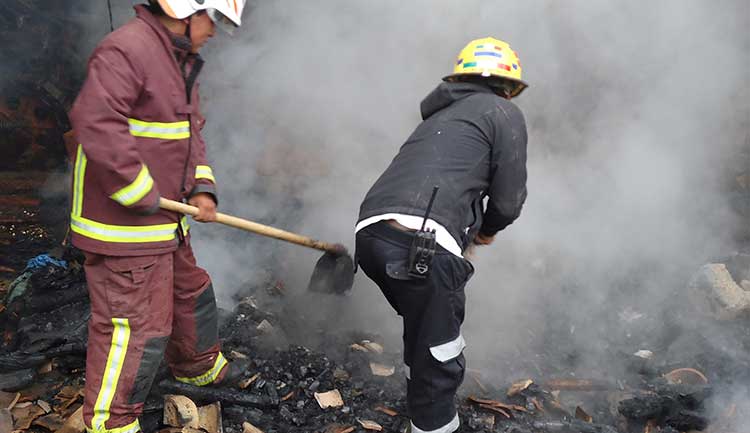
226,14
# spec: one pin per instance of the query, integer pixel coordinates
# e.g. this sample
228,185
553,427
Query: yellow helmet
490,57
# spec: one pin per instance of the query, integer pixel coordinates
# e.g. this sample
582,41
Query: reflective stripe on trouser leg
133,427
448,428
138,288
208,377
115,361
205,318
450,350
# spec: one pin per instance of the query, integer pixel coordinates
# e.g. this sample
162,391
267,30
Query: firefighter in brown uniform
138,123
472,147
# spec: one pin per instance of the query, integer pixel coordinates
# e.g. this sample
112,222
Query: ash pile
350,381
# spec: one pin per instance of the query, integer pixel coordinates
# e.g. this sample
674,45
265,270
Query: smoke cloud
636,113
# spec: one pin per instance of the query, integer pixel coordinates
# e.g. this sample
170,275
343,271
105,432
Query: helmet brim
520,85
221,21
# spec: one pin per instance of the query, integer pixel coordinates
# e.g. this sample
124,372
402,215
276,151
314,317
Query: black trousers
432,310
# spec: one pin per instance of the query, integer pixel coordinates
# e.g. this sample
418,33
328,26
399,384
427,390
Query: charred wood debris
352,383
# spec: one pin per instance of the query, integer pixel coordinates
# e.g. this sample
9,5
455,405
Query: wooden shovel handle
253,227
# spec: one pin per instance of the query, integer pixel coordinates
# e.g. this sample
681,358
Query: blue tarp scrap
43,260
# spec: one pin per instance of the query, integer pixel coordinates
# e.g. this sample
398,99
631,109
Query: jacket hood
447,93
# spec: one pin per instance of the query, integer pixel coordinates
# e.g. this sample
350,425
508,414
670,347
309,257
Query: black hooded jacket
472,144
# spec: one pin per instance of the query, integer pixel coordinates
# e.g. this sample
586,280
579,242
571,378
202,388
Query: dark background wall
44,51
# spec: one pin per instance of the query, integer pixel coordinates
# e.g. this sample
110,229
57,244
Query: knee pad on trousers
206,320
153,353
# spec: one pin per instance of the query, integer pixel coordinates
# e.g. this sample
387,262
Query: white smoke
635,111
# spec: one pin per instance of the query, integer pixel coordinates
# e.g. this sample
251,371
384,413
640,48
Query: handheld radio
422,248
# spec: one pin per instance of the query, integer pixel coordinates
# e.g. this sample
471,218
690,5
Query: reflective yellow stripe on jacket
109,232
168,131
123,234
204,172
138,189
184,225
79,172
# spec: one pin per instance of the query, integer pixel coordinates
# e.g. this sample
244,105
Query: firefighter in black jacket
470,148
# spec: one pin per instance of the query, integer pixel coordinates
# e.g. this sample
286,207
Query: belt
395,224
397,233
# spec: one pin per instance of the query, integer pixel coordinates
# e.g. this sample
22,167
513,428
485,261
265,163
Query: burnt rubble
42,357
676,406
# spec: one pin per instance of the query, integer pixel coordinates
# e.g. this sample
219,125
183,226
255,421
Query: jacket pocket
453,273
134,268
398,270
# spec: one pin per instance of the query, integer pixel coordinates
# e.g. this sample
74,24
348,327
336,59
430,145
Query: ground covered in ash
42,355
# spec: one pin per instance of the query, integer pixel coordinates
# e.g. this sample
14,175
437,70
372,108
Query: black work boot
234,372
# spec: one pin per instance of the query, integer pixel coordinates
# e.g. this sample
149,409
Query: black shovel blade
334,273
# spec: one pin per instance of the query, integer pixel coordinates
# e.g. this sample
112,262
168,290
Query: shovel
334,272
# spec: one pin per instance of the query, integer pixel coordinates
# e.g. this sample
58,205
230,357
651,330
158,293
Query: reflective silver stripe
184,225
78,178
408,372
448,428
207,377
446,352
138,189
158,130
135,427
172,130
204,172
133,234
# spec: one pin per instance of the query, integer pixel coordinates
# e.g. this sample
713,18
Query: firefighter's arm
203,194
100,119
205,181
507,190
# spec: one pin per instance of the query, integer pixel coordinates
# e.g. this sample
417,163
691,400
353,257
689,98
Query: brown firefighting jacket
139,139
